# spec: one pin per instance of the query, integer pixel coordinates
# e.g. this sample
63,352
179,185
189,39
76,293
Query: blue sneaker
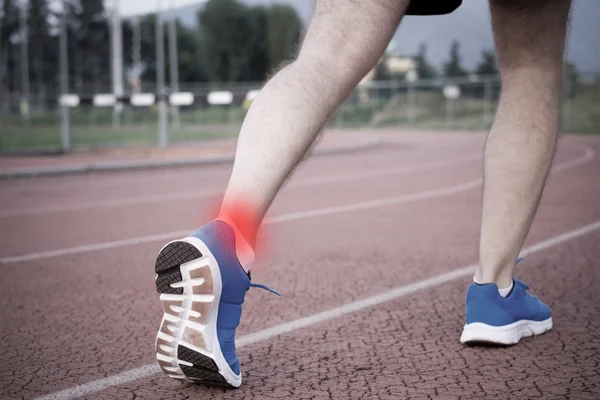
492,318
202,287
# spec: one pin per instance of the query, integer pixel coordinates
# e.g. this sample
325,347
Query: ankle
243,248
503,281
243,217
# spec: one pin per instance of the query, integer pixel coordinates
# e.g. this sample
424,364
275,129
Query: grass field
430,110
39,138
93,128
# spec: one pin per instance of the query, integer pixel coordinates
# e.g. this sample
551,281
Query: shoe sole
189,283
478,332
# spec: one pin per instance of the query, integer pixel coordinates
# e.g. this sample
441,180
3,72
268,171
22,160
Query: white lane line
300,323
451,190
278,219
587,157
94,247
108,203
382,172
407,198
198,194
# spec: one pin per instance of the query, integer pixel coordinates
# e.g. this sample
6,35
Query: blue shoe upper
485,305
220,239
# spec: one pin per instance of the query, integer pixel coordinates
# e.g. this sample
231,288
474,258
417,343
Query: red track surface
83,314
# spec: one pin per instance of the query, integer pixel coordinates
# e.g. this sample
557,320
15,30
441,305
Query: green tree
572,80
487,65
9,23
191,68
453,67
424,69
189,50
42,55
284,30
91,44
257,65
88,44
227,39
127,28
148,47
245,43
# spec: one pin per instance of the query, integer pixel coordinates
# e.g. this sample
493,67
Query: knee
530,34
345,62
349,37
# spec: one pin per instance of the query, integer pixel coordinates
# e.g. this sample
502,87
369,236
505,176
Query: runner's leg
530,40
344,41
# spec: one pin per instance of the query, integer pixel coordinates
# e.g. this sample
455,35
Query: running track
371,250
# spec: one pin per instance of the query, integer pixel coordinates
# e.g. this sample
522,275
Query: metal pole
24,38
411,103
117,62
486,102
163,138
449,113
452,113
137,55
566,100
64,81
174,66
1,76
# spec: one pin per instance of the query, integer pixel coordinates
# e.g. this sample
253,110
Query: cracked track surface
71,319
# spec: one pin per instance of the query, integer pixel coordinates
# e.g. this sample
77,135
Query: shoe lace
523,284
260,286
519,260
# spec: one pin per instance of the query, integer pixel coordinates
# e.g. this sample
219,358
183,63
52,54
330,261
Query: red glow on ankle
244,218
246,221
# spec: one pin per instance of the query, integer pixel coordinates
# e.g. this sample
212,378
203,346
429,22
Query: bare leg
344,41
530,39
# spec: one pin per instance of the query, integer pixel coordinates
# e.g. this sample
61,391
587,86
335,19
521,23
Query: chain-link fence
467,104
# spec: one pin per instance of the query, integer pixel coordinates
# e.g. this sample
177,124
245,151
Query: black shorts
432,7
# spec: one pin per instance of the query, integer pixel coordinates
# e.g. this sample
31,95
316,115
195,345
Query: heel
186,285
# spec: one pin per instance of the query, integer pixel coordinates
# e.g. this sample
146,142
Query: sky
133,7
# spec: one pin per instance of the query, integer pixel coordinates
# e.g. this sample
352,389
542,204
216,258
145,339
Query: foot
202,287
492,318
